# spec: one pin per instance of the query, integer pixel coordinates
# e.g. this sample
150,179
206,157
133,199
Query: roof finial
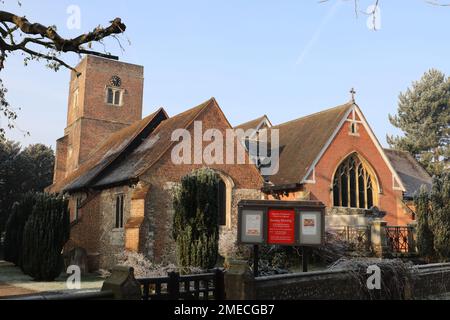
353,93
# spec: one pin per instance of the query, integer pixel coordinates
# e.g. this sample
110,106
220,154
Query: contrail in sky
316,36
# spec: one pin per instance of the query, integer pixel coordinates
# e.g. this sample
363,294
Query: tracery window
354,184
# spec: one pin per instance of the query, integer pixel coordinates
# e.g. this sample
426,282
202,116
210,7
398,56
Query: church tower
106,97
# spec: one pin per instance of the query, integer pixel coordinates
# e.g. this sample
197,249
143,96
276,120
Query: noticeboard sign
311,228
286,223
251,226
281,227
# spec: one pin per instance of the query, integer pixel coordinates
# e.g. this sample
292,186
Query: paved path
13,282
7,290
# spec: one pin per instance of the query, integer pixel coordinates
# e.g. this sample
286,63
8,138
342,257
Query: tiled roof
410,171
302,140
253,124
151,150
108,152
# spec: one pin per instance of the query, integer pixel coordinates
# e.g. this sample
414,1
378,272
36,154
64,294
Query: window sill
344,211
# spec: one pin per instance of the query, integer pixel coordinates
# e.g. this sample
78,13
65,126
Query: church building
334,156
116,168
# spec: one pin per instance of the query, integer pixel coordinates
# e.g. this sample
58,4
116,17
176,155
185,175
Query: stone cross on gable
353,93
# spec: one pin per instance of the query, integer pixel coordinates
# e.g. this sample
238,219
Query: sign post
305,259
283,223
255,260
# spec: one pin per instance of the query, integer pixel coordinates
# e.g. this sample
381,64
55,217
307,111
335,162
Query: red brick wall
92,120
95,229
244,176
98,74
342,146
93,132
60,159
159,201
86,232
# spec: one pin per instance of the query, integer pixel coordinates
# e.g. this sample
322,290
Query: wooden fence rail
207,286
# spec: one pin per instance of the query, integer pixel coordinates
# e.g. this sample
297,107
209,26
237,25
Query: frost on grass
144,268
336,248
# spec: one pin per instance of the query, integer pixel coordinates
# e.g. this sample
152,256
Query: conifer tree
424,117
15,227
45,234
425,240
195,223
440,204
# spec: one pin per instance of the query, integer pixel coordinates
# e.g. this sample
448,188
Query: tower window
75,99
114,96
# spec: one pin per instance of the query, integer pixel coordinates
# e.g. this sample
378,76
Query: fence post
219,285
239,281
378,238
122,284
173,286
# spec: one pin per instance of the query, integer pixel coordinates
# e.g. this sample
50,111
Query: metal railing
399,238
358,237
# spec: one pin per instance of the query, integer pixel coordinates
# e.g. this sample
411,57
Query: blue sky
285,59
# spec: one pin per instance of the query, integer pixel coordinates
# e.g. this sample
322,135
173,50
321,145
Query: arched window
354,184
225,194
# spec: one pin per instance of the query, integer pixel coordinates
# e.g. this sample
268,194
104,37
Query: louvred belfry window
114,93
353,185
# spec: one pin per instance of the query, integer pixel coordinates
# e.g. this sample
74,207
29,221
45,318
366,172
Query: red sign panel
281,227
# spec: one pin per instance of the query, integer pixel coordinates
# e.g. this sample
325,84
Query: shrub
396,277
424,233
45,234
433,212
144,268
15,227
440,204
195,223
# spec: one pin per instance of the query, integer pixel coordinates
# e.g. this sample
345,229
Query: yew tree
37,41
195,221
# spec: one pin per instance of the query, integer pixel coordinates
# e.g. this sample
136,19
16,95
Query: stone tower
105,98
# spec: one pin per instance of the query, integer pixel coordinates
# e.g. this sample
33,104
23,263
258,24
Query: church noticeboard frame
252,226
311,228
284,223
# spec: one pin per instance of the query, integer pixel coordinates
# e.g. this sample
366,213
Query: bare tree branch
37,33
37,41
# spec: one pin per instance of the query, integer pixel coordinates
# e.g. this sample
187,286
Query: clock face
116,81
